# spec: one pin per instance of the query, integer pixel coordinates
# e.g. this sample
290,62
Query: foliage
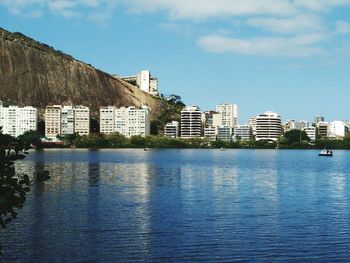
295,136
31,138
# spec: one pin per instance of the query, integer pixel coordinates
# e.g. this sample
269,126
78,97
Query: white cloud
297,46
297,24
321,5
204,9
342,27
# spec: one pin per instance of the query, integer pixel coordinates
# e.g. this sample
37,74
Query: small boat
222,149
146,149
327,153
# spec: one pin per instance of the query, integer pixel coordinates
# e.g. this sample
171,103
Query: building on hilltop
129,121
144,81
268,126
191,125
16,120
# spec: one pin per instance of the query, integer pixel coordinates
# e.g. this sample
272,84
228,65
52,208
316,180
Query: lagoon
128,205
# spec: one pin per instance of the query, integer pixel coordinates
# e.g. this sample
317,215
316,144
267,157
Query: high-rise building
229,114
191,125
337,129
210,133
16,120
171,129
126,121
53,121
268,126
67,120
82,120
107,122
224,133
133,121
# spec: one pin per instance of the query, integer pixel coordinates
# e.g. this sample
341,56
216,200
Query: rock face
35,74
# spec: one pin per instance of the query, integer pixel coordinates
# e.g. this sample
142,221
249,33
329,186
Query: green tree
295,136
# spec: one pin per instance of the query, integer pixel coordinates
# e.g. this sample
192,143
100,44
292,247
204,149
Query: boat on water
146,149
222,149
325,152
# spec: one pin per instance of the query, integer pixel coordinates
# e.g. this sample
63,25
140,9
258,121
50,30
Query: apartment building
191,125
229,114
242,133
53,121
82,120
16,120
268,126
171,129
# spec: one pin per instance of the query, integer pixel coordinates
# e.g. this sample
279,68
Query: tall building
64,120
82,120
133,121
210,133
52,121
268,126
16,120
229,114
107,119
337,129
126,121
67,120
191,125
144,81
171,129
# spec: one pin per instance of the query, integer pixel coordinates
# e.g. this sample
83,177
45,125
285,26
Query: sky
287,56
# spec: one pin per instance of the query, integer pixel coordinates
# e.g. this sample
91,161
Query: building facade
268,126
191,125
16,120
210,133
229,114
133,121
53,122
107,122
337,129
224,133
82,120
67,120
171,129
322,129
311,133
242,133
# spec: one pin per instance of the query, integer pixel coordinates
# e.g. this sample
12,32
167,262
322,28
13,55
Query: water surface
184,206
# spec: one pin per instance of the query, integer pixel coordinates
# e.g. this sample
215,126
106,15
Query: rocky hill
32,73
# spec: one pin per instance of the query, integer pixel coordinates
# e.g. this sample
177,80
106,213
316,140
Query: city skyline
290,57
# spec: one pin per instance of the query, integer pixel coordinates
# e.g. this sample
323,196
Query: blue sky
289,56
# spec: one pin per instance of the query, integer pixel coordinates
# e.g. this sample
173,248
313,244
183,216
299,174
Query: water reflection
184,205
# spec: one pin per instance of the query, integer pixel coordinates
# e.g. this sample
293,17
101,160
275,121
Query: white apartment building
52,121
82,120
210,133
242,133
144,81
63,120
107,119
171,129
337,129
126,121
311,133
268,126
229,114
67,120
295,125
191,125
133,121
16,120
224,133
252,124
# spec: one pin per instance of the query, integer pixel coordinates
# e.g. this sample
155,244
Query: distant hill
32,73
